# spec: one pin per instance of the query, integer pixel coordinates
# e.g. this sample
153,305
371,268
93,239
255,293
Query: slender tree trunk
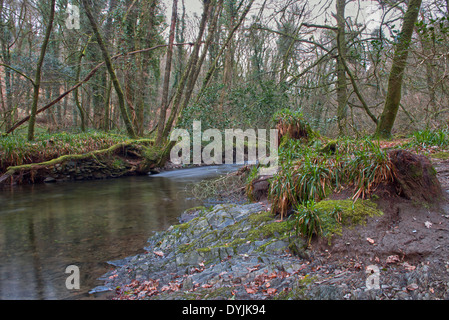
114,79
166,85
76,94
393,98
342,90
187,75
37,80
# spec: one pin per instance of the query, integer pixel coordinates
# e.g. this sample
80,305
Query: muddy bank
242,252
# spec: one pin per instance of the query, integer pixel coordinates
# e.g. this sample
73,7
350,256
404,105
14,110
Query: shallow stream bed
45,228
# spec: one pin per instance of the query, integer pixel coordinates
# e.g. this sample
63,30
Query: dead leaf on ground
412,287
393,259
159,253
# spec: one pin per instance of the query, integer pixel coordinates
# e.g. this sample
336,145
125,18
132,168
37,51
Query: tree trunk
393,98
37,81
114,79
341,73
164,103
187,75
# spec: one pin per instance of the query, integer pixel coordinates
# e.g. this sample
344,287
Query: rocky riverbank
242,252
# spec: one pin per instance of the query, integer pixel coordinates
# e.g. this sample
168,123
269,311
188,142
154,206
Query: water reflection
45,228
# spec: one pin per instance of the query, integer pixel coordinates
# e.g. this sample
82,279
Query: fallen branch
11,171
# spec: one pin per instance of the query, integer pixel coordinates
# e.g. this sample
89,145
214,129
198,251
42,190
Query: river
46,227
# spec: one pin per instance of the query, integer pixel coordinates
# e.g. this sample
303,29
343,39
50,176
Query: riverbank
238,252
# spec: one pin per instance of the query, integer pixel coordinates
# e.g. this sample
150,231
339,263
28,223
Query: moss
443,155
334,214
195,209
260,218
185,247
278,230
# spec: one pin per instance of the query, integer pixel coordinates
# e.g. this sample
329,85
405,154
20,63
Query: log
13,170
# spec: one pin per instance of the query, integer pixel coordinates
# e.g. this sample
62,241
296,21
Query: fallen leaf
408,267
271,291
412,287
158,253
428,224
250,290
393,259
254,268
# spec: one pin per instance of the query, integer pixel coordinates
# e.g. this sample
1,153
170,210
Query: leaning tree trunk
114,79
168,63
37,80
393,98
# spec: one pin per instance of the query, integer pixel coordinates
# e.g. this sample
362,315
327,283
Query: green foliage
250,105
307,174
308,222
17,150
327,218
287,116
428,138
367,168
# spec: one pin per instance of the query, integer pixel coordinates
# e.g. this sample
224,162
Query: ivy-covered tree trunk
393,98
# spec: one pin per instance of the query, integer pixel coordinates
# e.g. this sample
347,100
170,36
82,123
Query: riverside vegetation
334,208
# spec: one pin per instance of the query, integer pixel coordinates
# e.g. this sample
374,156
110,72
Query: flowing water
45,228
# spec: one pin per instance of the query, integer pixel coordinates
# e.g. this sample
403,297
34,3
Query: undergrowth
309,173
16,150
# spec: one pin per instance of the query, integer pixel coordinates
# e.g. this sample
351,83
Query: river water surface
45,228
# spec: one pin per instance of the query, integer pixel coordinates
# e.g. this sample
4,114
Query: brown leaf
393,259
271,291
412,286
159,253
250,290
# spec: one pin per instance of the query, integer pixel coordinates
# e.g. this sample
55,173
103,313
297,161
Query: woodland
357,89
104,79
142,68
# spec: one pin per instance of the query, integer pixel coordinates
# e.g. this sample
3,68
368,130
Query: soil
409,244
406,249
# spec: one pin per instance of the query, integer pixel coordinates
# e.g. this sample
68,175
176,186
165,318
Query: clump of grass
308,221
327,218
292,124
368,168
307,174
429,138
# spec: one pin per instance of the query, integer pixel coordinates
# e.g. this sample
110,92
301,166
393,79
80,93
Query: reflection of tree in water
45,228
